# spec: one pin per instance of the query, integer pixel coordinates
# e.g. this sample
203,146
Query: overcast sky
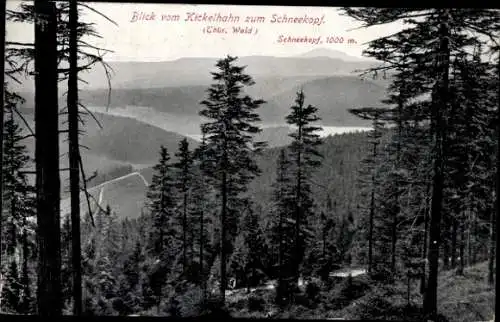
158,40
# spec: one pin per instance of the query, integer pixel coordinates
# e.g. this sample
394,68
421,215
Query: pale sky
158,40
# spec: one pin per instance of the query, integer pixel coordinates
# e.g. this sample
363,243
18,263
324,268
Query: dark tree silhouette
47,160
229,136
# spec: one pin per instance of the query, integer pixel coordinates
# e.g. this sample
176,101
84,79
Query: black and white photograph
249,161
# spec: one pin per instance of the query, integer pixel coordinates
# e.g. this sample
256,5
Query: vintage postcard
249,161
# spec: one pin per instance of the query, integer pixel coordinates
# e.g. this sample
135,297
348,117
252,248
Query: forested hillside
399,222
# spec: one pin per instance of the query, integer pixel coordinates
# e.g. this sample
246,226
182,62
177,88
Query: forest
232,226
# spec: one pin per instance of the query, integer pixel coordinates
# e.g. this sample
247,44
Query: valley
141,115
282,183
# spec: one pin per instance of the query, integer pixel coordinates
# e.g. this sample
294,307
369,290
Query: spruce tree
282,231
230,146
305,158
19,201
183,182
370,170
26,301
47,160
164,234
201,219
432,42
254,242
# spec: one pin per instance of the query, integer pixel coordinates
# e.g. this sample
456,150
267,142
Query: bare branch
91,114
24,137
85,188
99,13
24,120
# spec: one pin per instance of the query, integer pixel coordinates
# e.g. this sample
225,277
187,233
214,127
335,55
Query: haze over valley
155,103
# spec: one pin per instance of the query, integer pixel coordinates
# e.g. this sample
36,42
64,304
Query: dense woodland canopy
411,200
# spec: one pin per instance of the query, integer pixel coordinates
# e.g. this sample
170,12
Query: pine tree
255,244
184,178
282,231
201,202
305,158
66,280
18,194
47,160
163,239
26,301
230,146
74,158
19,198
439,35
370,170
132,279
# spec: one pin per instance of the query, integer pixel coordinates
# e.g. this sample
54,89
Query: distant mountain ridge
333,96
330,53
191,71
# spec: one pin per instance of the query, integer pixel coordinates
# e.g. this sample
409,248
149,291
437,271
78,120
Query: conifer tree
183,182
18,194
305,158
164,234
254,242
376,116
66,280
26,301
282,232
434,40
200,216
19,199
47,160
230,146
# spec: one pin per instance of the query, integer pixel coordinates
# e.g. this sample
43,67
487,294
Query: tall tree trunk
445,228
372,215
497,203
25,273
473,244
324,241
223,246
426,232
47,160
469,240
461,264
298,209
454,243
280,260
2,89
491,249
202,245
74,157
439,103
184,232
394,237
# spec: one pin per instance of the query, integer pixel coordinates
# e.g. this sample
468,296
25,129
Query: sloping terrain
125,195
121,142
332,95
